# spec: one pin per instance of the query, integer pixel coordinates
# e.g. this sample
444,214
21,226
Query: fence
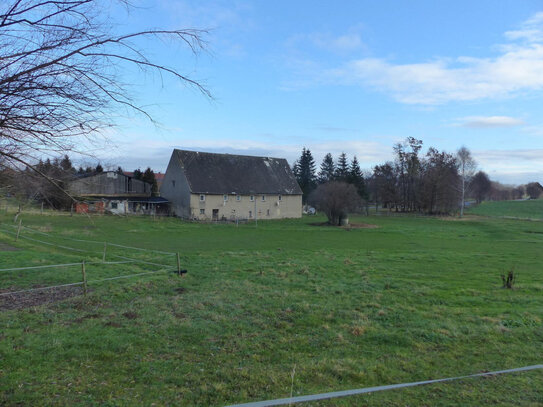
93,250
337,394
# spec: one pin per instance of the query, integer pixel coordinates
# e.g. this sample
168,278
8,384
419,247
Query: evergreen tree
120,170
357,178
304,171
66,165
328,169
80,170
99,169
149,176
342,168
138,174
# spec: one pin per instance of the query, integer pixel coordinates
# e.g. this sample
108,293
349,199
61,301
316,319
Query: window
280,198
173,183
238,198
268,212
225,198
252,198
202,211
202,198
250,214
263,198
113,205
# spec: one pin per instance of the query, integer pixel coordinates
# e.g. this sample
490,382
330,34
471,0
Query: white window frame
225,197
202,198
280,198
263,198
252,198
202,211
238,198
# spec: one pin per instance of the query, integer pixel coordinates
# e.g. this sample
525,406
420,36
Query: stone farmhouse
208,186
115,193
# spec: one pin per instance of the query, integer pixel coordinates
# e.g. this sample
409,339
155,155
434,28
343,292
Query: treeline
437,182
48,181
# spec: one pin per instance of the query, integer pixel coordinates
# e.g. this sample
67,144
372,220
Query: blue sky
353,76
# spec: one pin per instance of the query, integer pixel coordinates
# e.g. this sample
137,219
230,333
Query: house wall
290,206
175,189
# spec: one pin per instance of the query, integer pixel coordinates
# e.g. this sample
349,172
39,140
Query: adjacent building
208,186
115,193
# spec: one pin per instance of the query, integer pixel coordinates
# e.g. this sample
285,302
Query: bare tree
481,186
61,67
534,189
466,169
336,199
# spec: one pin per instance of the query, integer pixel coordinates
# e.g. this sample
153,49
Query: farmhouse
116,193
207,186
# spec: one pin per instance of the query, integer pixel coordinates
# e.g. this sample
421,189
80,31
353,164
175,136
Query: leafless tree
481,186
534,189
336,199
61,66
466,169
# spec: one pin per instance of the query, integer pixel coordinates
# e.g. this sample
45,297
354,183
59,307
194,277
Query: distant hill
530,209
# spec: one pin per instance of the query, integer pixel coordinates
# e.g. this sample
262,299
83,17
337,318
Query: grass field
285,307
530,209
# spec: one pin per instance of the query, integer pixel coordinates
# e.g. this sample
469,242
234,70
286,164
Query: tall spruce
357,178
328,169
304,170
342,168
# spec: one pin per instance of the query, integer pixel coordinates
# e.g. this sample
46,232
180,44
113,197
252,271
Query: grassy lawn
288,306
530,209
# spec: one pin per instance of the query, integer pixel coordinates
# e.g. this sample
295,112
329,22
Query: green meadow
530,209
288,307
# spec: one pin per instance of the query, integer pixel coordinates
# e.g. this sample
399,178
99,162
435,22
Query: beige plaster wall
271,207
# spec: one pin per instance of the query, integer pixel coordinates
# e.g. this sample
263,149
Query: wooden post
104,255
178,264
83,272
19,229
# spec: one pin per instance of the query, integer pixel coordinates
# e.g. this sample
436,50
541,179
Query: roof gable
241,174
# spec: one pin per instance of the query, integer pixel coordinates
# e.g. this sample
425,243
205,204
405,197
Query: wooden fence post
84,273
19,229
178,264
104,255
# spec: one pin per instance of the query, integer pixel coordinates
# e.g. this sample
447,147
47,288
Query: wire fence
102,274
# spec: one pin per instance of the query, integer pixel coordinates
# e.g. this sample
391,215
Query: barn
210,186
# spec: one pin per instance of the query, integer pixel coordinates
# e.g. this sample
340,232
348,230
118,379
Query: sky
345,76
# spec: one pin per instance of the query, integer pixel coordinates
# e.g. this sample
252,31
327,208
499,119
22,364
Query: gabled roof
212,173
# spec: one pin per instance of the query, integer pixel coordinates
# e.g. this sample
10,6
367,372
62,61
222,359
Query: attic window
252,198
238,198
202,198
263,198
225,198
280,197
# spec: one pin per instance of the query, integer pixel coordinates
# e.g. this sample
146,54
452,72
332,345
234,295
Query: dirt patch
7,248
36,298
130,315
348,227
180,290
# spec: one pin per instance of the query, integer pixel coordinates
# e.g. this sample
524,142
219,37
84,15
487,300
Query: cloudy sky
353,76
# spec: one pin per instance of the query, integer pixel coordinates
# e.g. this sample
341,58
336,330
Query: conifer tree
357,178
328,169
342,168
304,171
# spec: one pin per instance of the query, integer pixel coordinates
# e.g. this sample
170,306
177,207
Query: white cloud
489,121
511,166
517,68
